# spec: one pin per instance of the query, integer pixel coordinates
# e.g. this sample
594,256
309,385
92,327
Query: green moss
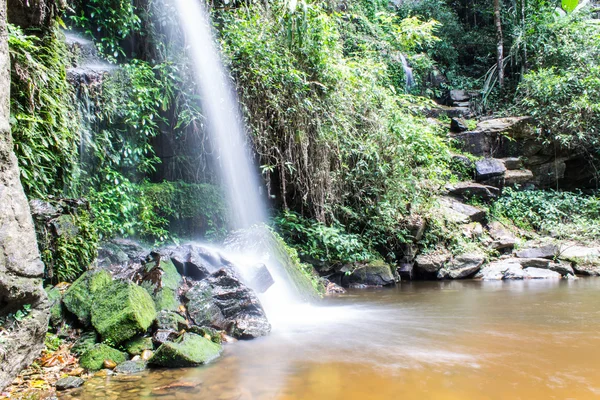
188,351
137,345
86,341
56,307
170,320
94,358
122,310
79,297
164,294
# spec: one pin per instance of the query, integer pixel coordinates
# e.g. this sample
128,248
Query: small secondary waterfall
408,73
219,105
226,130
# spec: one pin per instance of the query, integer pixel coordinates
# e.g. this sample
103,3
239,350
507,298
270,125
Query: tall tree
499,41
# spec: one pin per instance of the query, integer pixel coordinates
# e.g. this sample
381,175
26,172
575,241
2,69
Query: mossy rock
170,320
137,345
375,273
204,331
86,341
121,311
162,282
189,350
78,299
56,306
94,358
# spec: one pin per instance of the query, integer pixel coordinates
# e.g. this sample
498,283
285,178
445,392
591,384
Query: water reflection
438,340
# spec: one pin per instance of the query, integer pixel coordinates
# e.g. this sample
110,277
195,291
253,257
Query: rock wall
21,270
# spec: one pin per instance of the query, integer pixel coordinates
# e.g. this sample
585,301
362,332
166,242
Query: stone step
518,177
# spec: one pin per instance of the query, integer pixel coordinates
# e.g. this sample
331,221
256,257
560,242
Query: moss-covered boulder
78,299
121,310
137,345
374,273
189,350
161,280
93,359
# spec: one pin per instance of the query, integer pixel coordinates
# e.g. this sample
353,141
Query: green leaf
569,5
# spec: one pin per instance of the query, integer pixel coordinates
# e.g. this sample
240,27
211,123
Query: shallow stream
421,340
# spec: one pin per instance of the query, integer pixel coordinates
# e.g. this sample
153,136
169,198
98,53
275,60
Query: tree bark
500,42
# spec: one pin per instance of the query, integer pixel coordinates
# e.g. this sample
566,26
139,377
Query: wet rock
109,364
224,302
146,355
549,251
170,320
461,266
164,335
70,382
459,212
259,278
121,310
137,345
119,252
195,261
131,367
502,237
189,350
458,125
208,333
78,299
432,263
94,358
539,273
161,280
469,190
375,273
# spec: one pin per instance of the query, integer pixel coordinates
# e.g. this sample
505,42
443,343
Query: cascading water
226,130
408,73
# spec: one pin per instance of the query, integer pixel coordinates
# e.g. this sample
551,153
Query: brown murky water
424,340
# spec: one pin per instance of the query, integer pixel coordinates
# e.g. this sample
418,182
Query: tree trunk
500,42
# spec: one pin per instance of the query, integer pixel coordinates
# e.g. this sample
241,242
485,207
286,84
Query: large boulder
503,239
539,273
374,273
161,280
20,266
78,299
94,358
462,266
548,251
189,350
194,260
224,302
432,263
458,212
121,310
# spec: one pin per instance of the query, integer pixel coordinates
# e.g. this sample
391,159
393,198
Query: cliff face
23,302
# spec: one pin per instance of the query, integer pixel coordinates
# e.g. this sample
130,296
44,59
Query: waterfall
408,74
225,126
237,172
